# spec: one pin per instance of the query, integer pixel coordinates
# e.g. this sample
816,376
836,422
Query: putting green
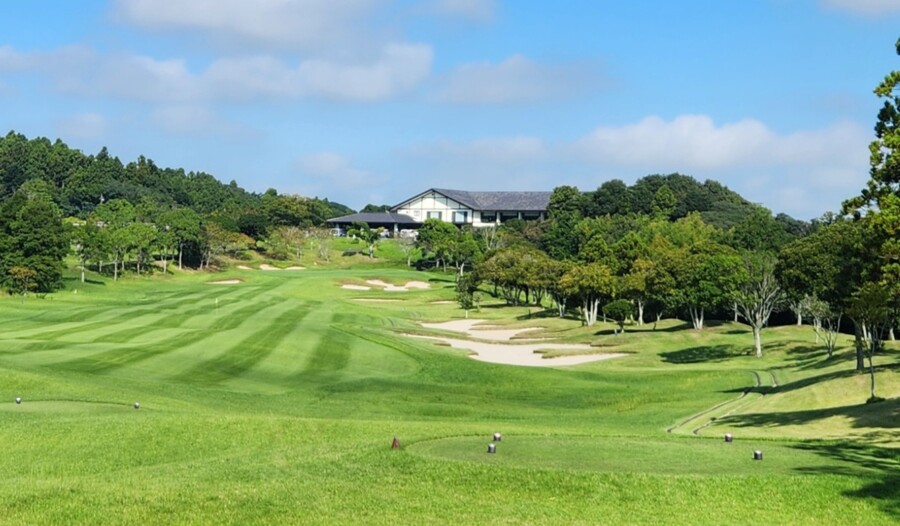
669,456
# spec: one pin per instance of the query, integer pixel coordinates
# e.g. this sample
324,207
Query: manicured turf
275,401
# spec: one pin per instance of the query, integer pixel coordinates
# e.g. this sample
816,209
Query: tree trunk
860,350
180,252
872,370
696,317
640,318
757,341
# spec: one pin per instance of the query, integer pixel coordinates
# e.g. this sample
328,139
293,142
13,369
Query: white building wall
432,204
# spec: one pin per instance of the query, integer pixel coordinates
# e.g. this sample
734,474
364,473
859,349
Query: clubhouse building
477,209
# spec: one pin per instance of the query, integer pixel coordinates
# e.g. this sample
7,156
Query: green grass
275,401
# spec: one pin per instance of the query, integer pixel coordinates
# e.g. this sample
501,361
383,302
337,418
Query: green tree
592,283
181,228
879,202
21,280
871,306
370,236
619,311
436,239
758,295
114,216
32,235
467,292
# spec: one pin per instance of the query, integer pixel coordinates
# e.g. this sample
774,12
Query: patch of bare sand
525,354
356,287
388,287
244,267
470,328
224,282
266,266
295,268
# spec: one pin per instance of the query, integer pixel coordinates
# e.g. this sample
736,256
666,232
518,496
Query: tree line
121,217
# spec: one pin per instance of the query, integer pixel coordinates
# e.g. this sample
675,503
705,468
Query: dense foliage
128,215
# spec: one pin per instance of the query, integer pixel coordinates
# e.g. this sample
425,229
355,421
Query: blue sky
372,101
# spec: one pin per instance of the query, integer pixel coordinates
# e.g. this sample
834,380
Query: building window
506,216
531,216
434,215
460,217
488,217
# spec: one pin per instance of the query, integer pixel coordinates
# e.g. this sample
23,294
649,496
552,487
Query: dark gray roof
498,201
376,218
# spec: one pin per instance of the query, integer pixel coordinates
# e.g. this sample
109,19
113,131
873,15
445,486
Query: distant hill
81,182
676,195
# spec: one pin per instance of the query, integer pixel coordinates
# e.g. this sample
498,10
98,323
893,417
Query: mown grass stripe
107,361
330,356
174,320
248,352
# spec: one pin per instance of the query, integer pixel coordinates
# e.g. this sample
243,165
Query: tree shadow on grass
881,415
702,354
648,327
77,280
878,467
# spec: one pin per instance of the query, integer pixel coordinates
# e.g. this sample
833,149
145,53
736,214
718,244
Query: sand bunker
398,288
482,333
225,282
266,266
295,268
525,354
244,267
356,287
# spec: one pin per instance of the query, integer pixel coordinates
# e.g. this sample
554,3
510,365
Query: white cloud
695,142
865,7
82,71
516,79
476,10
308,24
399,69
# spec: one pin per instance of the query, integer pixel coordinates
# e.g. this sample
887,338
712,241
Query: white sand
398,288
295,268
511,354
266,266
244,267
469,327
225,282
355,287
